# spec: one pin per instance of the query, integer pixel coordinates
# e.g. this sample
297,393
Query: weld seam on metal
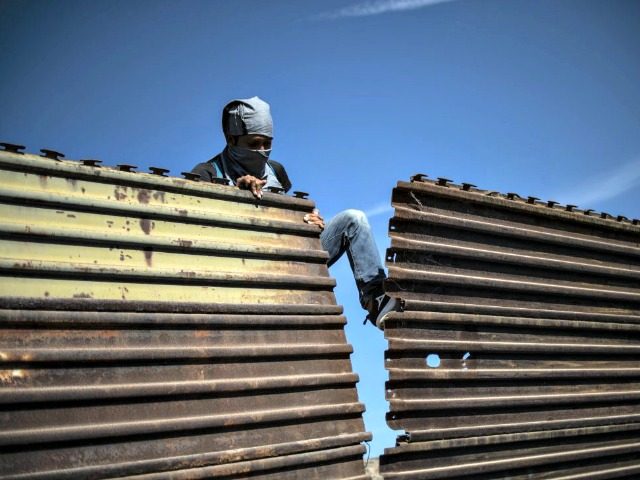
174,214
459,468
430,404
467,319
518,208
169,352
90,304
518,259
397,374
163,242
243,468
529,436
173,388
403,213
475,281
497,429
70,169
170,464
69,319
543,313
546,346
163,425
603,474
116,273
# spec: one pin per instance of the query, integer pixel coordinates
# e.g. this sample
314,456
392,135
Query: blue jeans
349,231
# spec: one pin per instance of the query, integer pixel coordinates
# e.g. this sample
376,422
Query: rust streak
145,225
12,376
120,193
159,196
143,196
148,257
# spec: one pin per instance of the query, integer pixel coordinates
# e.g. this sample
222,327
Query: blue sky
539,97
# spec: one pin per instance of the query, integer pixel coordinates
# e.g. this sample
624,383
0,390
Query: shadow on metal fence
516,354
156,327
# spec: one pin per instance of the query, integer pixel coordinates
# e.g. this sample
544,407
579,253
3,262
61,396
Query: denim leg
349,231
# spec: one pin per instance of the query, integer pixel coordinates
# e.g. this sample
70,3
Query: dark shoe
379,307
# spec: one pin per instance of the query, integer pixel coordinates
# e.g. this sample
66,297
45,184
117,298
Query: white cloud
377,7
597,189
380,209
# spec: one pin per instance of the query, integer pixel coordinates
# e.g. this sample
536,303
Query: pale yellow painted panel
43,288
83,190
127,258
136,227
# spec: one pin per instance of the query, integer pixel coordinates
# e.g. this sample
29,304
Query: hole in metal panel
433,360
465,357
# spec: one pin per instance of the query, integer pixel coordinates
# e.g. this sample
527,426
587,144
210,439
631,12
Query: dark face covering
240,161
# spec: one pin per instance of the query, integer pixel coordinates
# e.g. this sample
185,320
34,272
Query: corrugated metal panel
516,354
154,327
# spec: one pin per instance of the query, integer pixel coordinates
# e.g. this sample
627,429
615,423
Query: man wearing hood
248,129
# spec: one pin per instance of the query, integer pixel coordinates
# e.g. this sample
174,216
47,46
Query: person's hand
314,218
249,182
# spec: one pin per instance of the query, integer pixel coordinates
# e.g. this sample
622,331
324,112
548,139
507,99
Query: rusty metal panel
155,327
516,353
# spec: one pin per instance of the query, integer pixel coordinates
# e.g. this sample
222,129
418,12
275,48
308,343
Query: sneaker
379,308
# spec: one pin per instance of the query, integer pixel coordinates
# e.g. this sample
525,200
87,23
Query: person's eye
259,145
